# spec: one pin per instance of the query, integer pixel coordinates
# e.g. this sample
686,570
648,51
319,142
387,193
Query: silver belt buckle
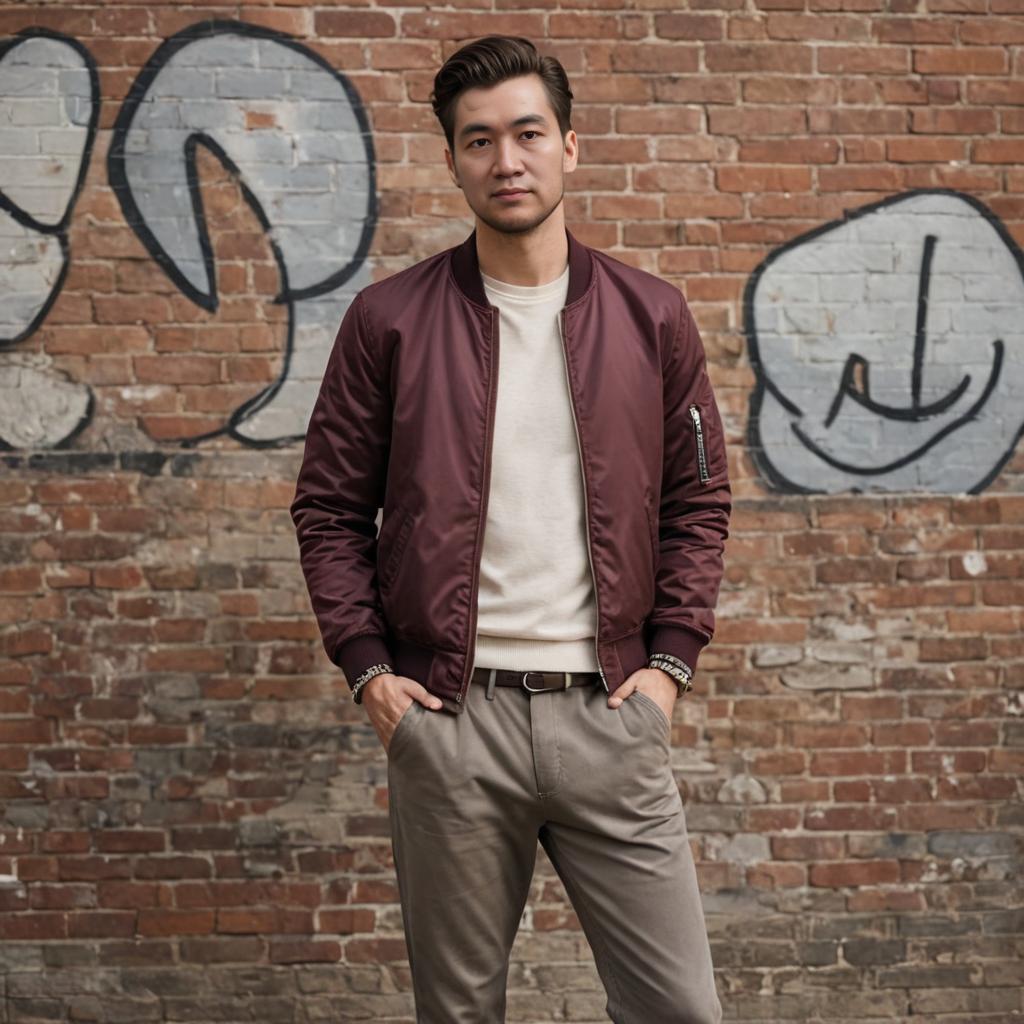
527,687
530,689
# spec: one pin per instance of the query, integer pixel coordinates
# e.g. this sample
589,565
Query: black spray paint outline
208,300
60,229
763,382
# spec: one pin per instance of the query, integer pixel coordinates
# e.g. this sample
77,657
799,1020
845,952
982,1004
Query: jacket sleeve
695,504
337,494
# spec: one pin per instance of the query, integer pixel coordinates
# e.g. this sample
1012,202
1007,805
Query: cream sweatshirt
536,606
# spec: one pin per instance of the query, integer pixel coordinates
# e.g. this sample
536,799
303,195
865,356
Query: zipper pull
702,459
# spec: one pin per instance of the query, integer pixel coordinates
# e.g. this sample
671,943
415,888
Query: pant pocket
654,709
405,726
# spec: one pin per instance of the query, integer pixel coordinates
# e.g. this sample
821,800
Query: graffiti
307,175
889,350
886,346
51,108
292,132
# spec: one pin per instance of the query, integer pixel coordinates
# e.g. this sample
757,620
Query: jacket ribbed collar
466,269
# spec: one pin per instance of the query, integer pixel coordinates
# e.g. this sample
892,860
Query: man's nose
506,159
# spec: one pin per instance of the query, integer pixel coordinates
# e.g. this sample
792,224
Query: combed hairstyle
491,60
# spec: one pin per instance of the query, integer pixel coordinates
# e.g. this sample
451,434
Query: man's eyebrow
479,126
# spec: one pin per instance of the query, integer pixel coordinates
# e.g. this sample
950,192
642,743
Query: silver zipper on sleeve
702,461
586,502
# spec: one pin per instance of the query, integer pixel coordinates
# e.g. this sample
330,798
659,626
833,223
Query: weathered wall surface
194,815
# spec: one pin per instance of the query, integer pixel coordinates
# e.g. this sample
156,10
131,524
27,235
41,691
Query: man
536,420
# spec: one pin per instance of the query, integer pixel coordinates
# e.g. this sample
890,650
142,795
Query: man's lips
513,192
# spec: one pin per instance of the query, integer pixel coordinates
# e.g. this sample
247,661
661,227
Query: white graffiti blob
47,124
889,350
39,405
294,132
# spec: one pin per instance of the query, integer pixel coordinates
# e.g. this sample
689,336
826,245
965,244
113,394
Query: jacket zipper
586,500
702,461
492,392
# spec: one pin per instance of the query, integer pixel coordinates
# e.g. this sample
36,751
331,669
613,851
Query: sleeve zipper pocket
702,459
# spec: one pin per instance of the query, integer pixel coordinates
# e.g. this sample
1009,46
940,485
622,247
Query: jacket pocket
700,443
390,550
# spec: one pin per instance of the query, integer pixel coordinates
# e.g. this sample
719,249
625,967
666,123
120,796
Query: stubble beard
520,227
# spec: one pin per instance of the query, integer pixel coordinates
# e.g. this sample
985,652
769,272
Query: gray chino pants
470,795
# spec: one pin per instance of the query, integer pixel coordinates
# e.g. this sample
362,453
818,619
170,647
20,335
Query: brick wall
194,815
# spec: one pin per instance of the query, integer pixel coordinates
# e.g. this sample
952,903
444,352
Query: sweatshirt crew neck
528,292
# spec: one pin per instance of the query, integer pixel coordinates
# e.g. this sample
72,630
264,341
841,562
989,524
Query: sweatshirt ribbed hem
535,655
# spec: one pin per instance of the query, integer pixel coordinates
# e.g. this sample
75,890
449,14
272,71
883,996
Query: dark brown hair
490,60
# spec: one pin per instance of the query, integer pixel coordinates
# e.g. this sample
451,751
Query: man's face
506,138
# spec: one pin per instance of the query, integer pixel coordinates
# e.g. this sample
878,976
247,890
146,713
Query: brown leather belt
534,682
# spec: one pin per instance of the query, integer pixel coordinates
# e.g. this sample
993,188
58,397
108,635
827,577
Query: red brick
960,60
174,922
34,926
839,874
293,952
100,924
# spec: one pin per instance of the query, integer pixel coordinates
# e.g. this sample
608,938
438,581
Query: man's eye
473,144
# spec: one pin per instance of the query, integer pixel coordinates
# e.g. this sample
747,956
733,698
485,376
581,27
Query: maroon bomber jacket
403,421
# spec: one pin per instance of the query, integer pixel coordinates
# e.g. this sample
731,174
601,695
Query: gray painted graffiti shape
309,178
307,174
889,350
48,119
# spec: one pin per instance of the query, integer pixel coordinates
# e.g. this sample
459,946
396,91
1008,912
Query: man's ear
571,155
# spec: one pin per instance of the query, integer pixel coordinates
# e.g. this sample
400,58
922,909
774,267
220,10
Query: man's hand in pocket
388,696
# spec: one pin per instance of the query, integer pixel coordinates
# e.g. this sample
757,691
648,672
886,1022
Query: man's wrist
675,668
356,655
381,668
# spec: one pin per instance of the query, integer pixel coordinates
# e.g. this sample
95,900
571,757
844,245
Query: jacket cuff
681,643
355,656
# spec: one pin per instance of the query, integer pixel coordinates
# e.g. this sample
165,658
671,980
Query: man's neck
529,259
